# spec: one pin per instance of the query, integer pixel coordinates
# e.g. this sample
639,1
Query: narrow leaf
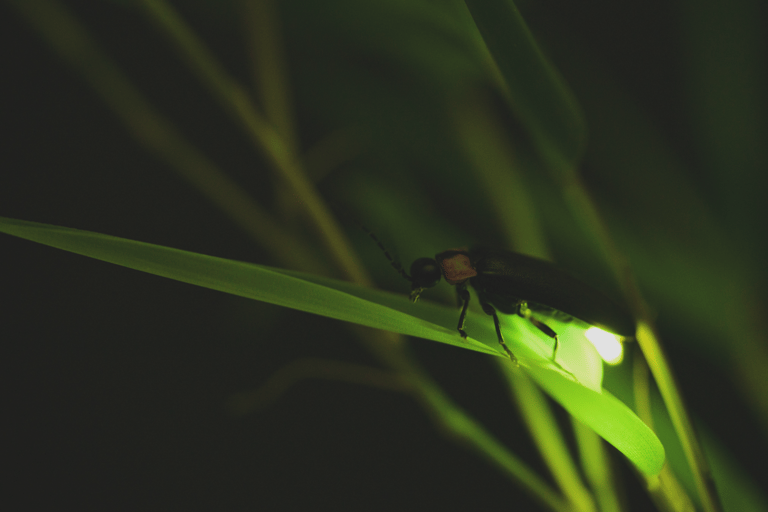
596,408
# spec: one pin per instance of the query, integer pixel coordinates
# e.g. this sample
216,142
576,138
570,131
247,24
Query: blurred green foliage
401,120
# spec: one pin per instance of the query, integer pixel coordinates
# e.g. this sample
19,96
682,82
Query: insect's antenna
395,264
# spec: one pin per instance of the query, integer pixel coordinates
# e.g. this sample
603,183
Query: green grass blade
382,310
305,292
538,95
608,416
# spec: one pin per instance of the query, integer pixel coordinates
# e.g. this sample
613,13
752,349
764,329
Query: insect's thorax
456,265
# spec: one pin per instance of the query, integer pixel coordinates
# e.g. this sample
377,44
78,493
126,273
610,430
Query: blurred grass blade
234,98
345,301
484,141
72,42
662,372
546,433
739,490
596,465
308,368
539,97
263,34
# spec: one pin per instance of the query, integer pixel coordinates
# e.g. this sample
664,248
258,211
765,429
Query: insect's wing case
505,277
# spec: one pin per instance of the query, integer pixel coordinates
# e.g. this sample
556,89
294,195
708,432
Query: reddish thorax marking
457,267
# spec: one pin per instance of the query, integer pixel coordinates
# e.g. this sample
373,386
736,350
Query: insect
515,284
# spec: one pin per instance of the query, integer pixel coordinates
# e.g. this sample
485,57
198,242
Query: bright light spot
608,345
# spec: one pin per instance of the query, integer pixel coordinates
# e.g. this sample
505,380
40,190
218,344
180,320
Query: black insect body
513,283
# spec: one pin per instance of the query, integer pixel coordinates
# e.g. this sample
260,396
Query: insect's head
425,273
454,264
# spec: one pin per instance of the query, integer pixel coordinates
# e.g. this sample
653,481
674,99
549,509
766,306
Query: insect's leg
490,311
462,294
549,332
524,312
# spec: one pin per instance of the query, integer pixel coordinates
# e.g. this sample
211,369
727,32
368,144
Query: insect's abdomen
504,278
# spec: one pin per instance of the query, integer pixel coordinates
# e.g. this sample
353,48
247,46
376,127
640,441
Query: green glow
608,345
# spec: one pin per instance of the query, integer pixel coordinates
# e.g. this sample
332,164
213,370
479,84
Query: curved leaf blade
382,310
304,292
609,417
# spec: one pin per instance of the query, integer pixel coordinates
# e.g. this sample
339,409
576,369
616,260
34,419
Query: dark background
117,381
